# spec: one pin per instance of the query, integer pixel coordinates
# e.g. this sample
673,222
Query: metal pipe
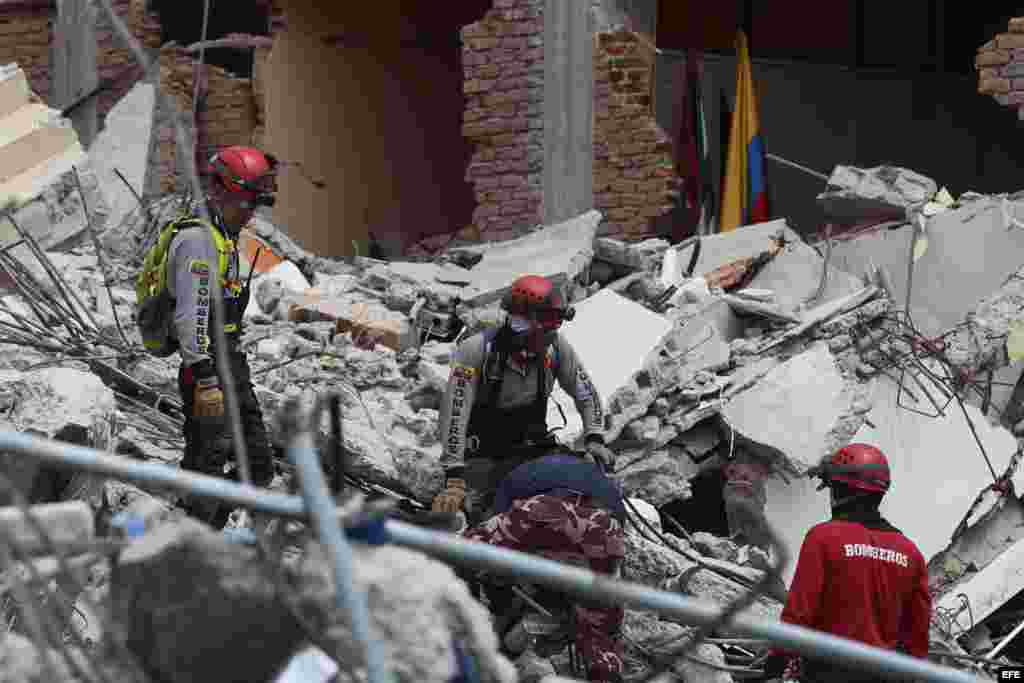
1005,641
594,586
302,453
524,567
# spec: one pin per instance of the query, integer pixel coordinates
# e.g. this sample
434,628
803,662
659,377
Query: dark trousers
208,442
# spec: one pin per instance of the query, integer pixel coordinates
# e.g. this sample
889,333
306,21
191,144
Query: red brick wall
228,117
633,177
1000,65
503,60
25,39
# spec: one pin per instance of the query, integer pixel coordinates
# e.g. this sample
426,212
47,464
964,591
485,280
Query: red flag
693,160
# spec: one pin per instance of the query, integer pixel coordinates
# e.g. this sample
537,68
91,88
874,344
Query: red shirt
863,584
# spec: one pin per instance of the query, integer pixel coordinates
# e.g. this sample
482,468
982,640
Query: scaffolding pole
886,663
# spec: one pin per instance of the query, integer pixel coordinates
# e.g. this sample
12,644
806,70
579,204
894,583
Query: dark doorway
705,509
181,21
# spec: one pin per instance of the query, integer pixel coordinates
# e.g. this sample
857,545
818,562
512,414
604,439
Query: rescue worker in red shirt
857,576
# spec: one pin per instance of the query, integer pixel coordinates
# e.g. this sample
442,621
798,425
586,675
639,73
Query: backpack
154,303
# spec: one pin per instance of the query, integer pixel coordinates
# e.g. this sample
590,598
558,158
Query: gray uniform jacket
518,389
191,263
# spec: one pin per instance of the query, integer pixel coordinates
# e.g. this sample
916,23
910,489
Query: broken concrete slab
880,192
636,333
922,452
51,398
65,523
765,415
795,274
658,478
651,562
972,239
750,307
646,255
559,252
992,587
748,241
416,605
124,145
710,586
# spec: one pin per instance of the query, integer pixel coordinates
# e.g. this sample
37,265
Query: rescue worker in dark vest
857,576
494,412
243,179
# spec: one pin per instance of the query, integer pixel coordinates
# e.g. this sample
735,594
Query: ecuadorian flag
744,197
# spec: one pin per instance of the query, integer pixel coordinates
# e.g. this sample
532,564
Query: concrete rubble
764,358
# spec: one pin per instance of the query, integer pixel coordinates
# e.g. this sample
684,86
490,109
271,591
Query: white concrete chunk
49,399
68,522
560,252
793,408
123,144
290,276
614,337
794,276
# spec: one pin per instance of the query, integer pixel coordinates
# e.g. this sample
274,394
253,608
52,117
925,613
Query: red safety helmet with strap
858,466
537,299
246,170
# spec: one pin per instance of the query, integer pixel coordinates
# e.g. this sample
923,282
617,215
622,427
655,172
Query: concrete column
568,110
74,67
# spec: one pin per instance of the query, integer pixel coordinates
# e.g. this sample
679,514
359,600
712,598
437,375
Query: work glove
602,455
451,499
794,670
207,399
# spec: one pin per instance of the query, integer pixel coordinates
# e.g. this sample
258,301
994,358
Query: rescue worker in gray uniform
243,179
494,412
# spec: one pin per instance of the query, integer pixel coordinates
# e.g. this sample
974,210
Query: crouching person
565,508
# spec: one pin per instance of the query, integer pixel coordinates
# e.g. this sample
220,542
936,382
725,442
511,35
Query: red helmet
860,467
536,298
245,169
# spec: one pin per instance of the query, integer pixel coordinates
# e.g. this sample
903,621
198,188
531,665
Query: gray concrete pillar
568,110
74,65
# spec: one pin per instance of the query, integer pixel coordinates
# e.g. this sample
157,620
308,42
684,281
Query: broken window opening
181,21
704,510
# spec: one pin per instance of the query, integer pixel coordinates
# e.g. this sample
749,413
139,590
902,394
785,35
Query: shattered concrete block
650,562
644,429
560,252
764,414
49,399
711,586
879,192
698,441
647,511
416,605
229,611
659,478
691,670
390,459
715,546
612,373
437,352
646,255
124,144
68,522
795,274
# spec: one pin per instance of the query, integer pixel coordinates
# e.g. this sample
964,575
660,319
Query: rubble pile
748,352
